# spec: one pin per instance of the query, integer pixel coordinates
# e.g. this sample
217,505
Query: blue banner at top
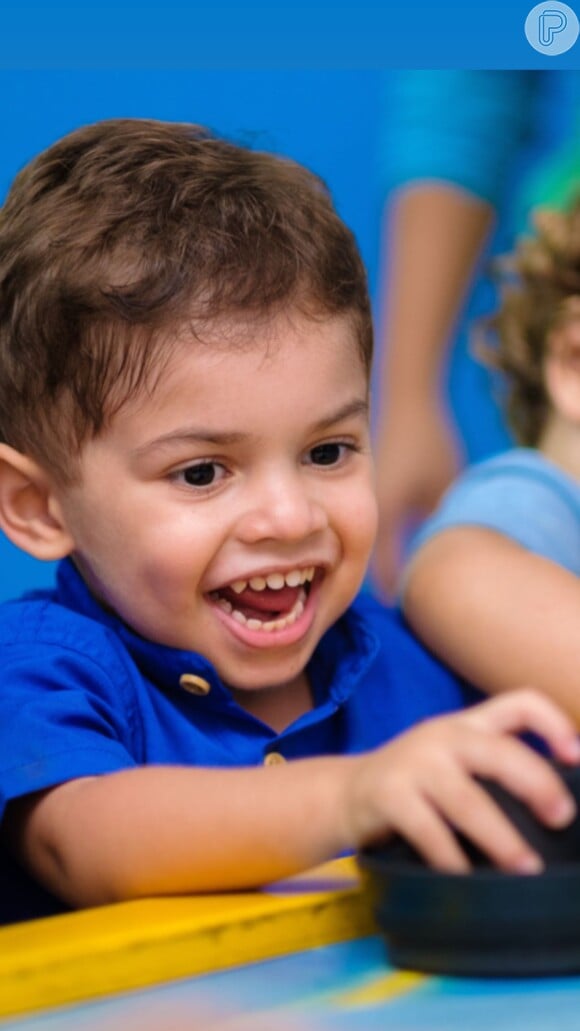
404,34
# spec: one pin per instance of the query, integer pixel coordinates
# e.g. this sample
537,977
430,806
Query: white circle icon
552,28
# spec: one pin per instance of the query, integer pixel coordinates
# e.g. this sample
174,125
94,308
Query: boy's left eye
327,454
202,474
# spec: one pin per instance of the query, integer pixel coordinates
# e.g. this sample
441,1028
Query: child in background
494,587
203,701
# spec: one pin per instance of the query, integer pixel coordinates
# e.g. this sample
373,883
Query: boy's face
232,510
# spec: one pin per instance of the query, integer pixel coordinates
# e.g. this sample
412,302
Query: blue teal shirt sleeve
62,716
521,496
462,127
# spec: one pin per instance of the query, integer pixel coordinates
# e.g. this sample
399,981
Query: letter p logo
552,28
550,23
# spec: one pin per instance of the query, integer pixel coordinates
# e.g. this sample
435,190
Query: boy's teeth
253,624
268,625
275,581
257,583
293,578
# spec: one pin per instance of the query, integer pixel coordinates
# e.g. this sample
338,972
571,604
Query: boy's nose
283,511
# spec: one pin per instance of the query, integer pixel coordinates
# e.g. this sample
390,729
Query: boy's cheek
363,522
372,527
366,512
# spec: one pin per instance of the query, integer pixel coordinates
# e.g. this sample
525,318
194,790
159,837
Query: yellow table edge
81,956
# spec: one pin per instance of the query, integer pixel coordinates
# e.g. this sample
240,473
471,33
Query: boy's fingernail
573,750
529,863
563,812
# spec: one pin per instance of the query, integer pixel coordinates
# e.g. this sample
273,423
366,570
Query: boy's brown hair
541,288
127,230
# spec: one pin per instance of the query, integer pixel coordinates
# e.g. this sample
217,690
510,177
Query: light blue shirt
522,495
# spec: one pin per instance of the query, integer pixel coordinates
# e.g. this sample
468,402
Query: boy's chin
277,702
262,683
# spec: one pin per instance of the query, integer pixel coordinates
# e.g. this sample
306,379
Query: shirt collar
340,660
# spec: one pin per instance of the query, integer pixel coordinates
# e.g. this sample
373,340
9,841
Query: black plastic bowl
485,923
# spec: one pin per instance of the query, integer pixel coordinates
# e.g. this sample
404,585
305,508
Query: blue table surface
335,988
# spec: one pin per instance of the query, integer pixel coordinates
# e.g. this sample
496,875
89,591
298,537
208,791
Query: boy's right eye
201,474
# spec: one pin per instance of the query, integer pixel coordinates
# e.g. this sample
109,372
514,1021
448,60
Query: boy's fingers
523,773
423,828
477,816
528,710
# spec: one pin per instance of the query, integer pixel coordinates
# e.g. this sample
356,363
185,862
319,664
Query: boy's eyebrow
359,406
198,435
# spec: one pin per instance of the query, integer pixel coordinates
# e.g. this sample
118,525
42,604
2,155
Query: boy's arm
170,830
158,830
497,613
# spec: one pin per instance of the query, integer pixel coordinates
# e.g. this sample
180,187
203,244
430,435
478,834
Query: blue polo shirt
82,694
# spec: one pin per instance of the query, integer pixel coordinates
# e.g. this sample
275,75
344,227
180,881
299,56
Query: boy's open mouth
271,602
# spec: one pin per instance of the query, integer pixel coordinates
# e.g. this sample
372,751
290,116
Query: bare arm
166,830
171,830
498,614
437,232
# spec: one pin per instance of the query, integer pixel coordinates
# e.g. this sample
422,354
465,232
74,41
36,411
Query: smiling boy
185,344
250,512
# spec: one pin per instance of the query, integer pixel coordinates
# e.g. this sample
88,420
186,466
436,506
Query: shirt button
274,759
193,684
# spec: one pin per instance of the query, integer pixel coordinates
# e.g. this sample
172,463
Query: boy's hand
422,782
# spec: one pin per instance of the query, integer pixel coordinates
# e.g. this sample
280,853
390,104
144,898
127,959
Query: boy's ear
562,369
30,514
